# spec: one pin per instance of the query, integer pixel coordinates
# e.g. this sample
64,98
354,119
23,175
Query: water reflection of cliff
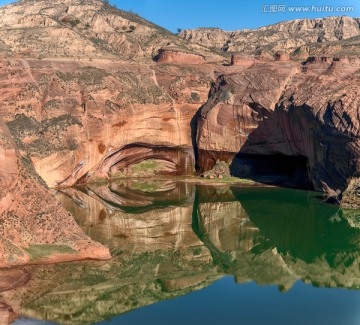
169,239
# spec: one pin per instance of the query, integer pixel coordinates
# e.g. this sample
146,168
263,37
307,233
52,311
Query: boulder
177,56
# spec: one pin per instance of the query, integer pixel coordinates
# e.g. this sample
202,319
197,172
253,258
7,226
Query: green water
186,254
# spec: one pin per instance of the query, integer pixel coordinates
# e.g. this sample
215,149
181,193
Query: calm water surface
186,254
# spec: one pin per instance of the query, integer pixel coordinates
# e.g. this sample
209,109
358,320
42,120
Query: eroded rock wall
284,108
69,117
31,216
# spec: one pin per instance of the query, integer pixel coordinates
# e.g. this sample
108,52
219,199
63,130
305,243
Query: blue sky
226,14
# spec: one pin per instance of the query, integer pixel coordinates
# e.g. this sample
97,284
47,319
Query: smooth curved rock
277,109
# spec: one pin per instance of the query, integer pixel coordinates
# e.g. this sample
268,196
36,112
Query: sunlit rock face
78,29
30,215
92,111
242,60
285,109
79,84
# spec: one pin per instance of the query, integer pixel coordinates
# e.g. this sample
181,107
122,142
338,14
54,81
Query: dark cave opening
279,170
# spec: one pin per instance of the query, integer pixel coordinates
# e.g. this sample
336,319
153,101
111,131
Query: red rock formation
93,109
236,106
242,60
277,109
31,216
281,56
176,56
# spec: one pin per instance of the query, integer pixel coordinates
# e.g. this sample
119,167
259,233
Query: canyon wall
287,109
90,118
31,217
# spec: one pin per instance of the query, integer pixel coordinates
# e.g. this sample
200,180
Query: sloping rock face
288,35
178,57
281,109
78,29
31,216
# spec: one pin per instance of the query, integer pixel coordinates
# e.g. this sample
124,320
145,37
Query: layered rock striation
286,109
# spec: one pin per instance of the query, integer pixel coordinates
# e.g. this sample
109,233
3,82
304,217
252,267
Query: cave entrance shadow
267,156
278,170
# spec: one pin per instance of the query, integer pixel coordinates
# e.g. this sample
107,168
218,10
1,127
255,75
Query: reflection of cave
288,171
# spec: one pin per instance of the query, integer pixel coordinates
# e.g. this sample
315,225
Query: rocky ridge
82,29
295,35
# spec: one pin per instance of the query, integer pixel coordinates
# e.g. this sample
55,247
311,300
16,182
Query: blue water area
225,302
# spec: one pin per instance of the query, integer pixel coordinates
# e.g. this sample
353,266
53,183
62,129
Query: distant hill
285,36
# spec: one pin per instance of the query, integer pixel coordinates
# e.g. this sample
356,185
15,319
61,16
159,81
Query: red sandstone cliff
285,109
30,216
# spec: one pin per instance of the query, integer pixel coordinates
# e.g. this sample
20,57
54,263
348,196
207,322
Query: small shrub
195,97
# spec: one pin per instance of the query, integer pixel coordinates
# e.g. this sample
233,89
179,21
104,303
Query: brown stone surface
99,108
83,99
281,56
78,29
12,279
